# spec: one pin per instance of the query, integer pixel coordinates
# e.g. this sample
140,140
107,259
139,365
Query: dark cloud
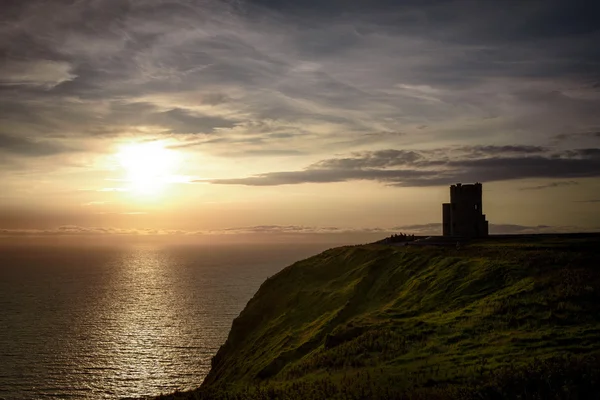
24,146
507,168
376,159
577,135
182,121
329,176
379,134
268,153
584,153
436,167
522,149
520,20
551,185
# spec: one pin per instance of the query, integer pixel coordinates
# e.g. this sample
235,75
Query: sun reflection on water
147,312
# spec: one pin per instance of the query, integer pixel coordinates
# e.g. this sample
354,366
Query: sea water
129,321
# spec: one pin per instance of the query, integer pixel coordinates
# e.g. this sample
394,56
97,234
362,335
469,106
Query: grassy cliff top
396,318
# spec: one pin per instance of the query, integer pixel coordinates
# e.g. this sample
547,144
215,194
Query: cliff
491,318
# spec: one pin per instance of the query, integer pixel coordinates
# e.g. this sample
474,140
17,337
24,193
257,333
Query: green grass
496,318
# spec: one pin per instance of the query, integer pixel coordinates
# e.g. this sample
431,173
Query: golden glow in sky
197,116
148,166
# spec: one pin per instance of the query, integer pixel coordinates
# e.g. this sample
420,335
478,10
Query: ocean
99,322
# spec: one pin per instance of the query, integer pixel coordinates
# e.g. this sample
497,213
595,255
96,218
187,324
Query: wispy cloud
23,146
264,93
551,185
74,230
222,69
44,73
295,229
498,229
562,137
282,230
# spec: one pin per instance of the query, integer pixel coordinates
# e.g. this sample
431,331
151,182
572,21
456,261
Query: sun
149,166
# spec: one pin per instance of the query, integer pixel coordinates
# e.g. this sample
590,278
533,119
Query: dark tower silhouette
463,216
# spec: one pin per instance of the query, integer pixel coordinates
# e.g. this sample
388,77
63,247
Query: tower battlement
463,216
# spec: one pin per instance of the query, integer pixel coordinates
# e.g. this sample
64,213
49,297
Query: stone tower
463,216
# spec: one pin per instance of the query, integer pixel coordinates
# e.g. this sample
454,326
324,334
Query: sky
280,118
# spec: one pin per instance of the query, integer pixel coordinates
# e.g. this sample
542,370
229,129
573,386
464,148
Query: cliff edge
497,317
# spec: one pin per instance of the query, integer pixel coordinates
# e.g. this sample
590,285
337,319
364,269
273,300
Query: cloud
43,73
296,229
74,230
177,120
433,228
282,231
376,159
551,185
27,147
513,229
496,229
577,135
506,149
166,120
268,153
438,167
306,79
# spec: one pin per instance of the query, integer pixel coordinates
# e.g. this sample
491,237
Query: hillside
493,319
